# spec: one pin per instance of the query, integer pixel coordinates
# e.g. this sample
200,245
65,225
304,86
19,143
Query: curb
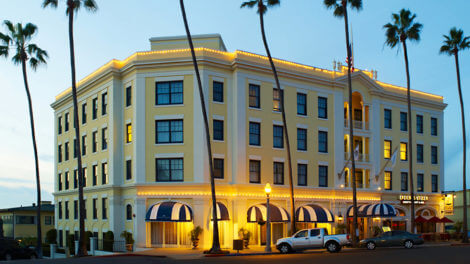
129,255
460,244
240,255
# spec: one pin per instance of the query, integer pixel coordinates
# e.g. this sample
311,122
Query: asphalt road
428,255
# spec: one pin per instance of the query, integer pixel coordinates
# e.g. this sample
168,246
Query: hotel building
145,157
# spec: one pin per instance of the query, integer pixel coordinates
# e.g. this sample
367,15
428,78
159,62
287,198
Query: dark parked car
391,239
11,249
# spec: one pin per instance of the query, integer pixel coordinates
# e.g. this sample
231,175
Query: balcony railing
362,157
357,124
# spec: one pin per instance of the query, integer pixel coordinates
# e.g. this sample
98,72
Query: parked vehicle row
10,249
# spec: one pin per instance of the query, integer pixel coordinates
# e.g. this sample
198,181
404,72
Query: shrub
71,244
195,233
128,237
108,241
88,234
27,241
51,236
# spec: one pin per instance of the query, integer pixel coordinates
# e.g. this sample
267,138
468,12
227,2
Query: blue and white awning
222,212
313,213
169,212
257,213
373,210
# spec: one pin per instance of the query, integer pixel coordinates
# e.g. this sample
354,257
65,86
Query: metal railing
111,245
362,157
364,125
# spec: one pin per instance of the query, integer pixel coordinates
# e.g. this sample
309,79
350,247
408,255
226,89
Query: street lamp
267,190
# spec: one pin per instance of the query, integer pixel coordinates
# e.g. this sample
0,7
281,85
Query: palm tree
454,43
72,7
404,28
341,10
263,6
18,38
215,233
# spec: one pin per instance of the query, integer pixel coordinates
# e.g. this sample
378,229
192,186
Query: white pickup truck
311,239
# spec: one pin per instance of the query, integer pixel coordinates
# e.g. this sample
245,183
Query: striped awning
222,212
169,212
257,213
373,210
313,213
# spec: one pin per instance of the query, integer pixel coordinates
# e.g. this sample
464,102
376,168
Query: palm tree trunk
215,235
465,224
82,250
410,139
351,129
284,123
36,160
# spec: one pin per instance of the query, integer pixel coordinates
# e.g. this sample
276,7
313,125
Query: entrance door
277,232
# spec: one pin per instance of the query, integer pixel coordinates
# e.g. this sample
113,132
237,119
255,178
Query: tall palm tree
262,8
18,38
341,11
454,43
215,227
405,28
73,6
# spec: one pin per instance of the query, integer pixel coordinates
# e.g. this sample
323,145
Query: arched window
129,212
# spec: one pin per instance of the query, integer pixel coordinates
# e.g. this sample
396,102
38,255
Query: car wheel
33,256
8,257
370,245
333,247
284,248
409,244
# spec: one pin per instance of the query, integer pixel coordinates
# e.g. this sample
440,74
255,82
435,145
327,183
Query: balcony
361,158
364,125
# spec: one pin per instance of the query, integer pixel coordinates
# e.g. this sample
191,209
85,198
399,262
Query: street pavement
428,255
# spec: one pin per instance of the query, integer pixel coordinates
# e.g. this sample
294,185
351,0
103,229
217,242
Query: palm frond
29,30
414,31
249,4
271,3
4,51
339,11
330,3
33,63
90,5
355,4
9,26
5,39
465,44
51,3
16,58
445,49
391,35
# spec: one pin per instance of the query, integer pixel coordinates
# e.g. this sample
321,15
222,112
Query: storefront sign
449,204
419,199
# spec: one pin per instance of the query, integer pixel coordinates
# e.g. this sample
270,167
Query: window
66,150
278,173
128,133
169,170
434,154
25,220
94,174
255,134
420,180
94,138
278,97
404,181
323,141
104,138
388,180
434,182
219,168
67,180
254,96
83,145
301,139
75,179
75,209
419,124
419,153
387,149
168,93
75,148
255,171
302,174
84,175
59,125
128,169
104,173
128,212
59,181
388,118
323,176
322,107
218,127
403,121
301,104
95,209
94,113
128,96
84,113
48,220
169,131
67,210
84,209
67,119
59,153
278,137
433,126
60,210
218,92
403,151
104,103
104,208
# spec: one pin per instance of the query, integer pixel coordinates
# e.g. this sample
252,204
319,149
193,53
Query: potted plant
195,233
129,240
245,234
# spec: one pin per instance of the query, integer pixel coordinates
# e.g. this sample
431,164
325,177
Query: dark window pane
387,118
322,107
278,173
433,126
403,121
301,104
323,176
255,169
219,168
278,137
169,93
301,139
218,127
254,96
419,124
169,169
302,174
218,92
420,180
255,131
322,141
404,181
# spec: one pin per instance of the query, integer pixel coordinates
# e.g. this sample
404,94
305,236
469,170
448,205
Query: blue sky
299,30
